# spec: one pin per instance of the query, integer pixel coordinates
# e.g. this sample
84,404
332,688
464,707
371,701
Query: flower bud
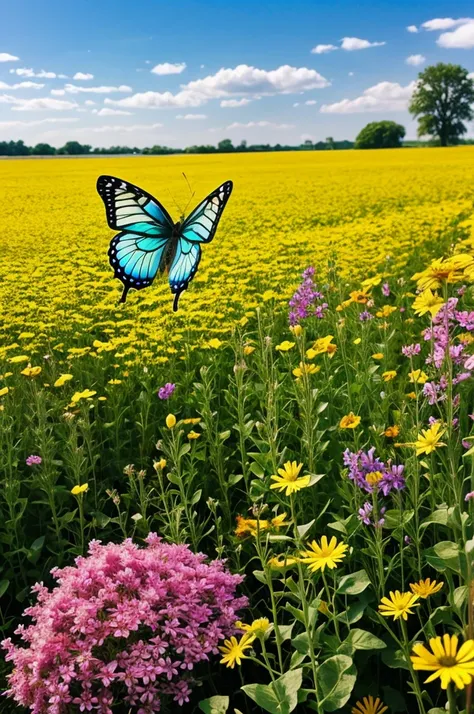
170,421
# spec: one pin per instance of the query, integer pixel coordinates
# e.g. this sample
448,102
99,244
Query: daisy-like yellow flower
3,391
398,605
258,627
386,311
248,349
438,272
31,371
392,431
297,330
279,521
194,420
377,355
62,379
418,376
18,359
289,480
445,661
350,421
359,296
78,490
305,369
369,705
234,650
329,554
193,435
425,588
372,282
427,301
250,526
430,439
321,346
282,562
215,343
285,346
411,395
85,394
170,421
115,381
389,375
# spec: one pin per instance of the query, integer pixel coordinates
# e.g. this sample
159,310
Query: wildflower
114,382
250,526
62,379
365,316
33,460
389,375
328,554
377,355
279,521
193,420
288,480
282,562
193,435
170,421
18,359
437,273
411,350
248,349
86,394
305,369
285,346
392,431
411,395
357,340
307,300
31,371
258,627
445,661
350,421
323,345
359,296
4,391
234,651
365,513
77,490
425,588
386,311
417,376
159,465
166,391
386,289
215,343
429,439
297,330
398,605
369,705
469,496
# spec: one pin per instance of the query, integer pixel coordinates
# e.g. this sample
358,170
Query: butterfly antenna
190,191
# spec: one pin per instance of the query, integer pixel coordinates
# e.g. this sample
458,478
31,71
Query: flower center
447,661
373,477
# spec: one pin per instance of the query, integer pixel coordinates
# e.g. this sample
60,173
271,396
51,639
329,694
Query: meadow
306,416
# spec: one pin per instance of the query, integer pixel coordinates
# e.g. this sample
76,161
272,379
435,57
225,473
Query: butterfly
150,241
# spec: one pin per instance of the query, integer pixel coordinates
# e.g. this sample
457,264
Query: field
90,450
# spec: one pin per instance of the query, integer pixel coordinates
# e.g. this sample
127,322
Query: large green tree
380,135
443,101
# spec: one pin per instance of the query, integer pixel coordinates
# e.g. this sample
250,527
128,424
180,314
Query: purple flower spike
166,391
33,460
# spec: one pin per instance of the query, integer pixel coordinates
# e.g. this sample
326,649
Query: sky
185,72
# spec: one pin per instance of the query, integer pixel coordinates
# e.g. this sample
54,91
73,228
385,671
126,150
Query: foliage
443,102
380,135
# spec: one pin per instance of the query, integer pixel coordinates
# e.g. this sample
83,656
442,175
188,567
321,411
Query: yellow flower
438,272
77,490
170,421
392,431
425,588
445,661
243,321
194,420
427,302
258,627
398,605
357,340
359,296
350,421
429,439
86,394
285,346
377,355
62,379
18,359
282,562
288,480
389,375
159,465
369,705
215,343
234,651
193,434
418,376
279,521
372,282
386,311
374,477
115,381
305,369
325,554
297,330
250,526
31,371
323,608
3,391
411,395
322,345
248,349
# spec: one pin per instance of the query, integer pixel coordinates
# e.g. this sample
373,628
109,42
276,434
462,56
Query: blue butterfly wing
199,227
135,254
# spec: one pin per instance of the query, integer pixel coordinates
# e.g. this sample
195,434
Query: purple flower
365,315
469,496
33,460
166,391
411,350
365,513
386,289
466,444
304,302
407,540
370,474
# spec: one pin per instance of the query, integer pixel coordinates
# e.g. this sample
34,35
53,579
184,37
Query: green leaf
37,545
280,697
314,478
439,518
394,699
394,518
4,586
196,498
395,659
302,530
214,705
362,640
184,450
336,679
285,631
444,555
459,596
354,583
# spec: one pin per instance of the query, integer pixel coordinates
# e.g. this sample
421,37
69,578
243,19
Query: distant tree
225,146
330,142
74,148
43,150
442,101
307,144
380,135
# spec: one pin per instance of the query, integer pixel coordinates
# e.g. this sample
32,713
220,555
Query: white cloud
6,57
461,38
83,76
354,43
159,100
471,75
31,105
385,96
119,128
74,89
36,122
415,60
258,124
28,72
191,117
444,23
231,103
311,102
89,102
321,49
21,85
106,112
412,28
169,68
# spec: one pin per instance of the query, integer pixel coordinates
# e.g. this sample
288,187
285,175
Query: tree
225,145
330,142
380,135
442,100
43,150
74,148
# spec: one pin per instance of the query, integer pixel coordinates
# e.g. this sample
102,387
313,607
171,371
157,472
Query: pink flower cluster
124,626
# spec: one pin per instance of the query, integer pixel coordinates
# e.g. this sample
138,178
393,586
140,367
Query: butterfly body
150,242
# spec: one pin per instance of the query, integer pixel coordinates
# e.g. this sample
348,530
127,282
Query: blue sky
182,72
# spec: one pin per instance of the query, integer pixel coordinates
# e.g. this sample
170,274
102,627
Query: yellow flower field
366,210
